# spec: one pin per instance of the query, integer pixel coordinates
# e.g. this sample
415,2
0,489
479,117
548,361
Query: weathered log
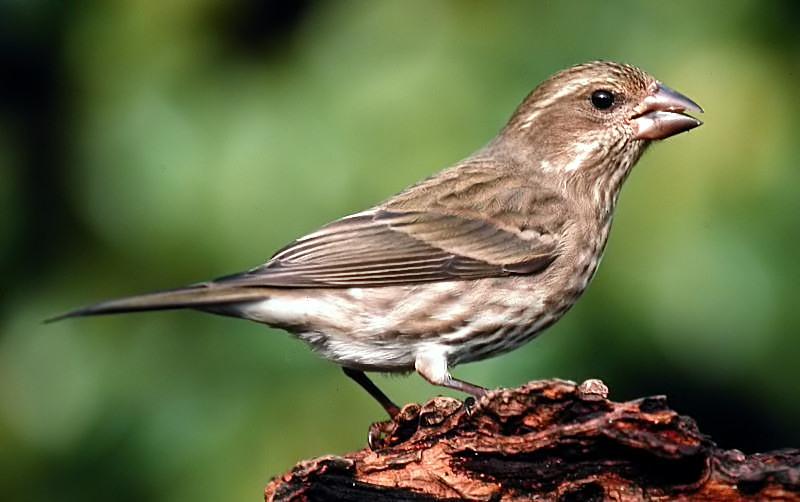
547,440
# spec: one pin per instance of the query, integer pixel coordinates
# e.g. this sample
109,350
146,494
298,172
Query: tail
198,296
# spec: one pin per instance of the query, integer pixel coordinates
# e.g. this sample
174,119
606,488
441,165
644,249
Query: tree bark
547,440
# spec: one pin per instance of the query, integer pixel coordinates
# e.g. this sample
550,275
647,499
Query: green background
149,144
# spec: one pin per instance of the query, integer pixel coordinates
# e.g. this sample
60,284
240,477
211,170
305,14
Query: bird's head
594,120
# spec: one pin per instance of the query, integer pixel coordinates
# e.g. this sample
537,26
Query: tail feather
189,297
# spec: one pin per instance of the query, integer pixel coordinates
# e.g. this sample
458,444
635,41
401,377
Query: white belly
383,329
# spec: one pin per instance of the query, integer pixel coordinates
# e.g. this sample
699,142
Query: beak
661,114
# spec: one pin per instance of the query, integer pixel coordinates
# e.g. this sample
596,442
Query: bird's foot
378,432
469,405
399,428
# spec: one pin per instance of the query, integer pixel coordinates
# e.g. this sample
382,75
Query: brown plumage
472,262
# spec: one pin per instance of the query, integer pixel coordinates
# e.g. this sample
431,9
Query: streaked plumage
472,262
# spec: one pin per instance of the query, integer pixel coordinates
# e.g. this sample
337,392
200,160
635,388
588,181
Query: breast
549,296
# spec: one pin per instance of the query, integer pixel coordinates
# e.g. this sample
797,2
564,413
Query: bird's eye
602,99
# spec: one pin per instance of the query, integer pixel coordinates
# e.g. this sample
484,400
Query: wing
400,244
385,248
476,220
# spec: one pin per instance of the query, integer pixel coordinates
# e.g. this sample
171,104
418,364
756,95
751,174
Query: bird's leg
433,368
361,379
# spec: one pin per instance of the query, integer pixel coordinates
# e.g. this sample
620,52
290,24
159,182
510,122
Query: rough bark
548,440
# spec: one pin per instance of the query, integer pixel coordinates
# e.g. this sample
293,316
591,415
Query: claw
469,405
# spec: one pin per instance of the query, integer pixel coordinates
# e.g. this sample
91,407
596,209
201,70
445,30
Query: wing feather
381,248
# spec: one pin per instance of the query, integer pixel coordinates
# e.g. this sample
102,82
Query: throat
605,181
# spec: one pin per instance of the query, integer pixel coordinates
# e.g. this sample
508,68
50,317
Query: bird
473,261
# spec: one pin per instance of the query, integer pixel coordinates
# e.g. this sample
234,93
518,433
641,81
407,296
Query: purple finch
471,262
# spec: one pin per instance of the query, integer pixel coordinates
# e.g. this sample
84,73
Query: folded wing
381,248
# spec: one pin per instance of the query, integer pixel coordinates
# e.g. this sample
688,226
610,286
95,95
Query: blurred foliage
148,144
